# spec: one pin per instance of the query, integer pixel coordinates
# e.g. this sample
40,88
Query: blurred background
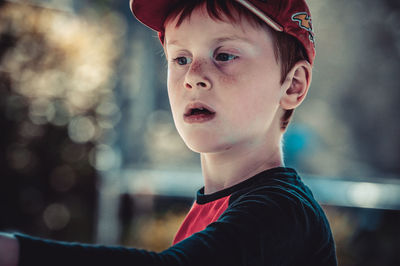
89,152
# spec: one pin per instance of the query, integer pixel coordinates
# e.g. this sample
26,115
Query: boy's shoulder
274,212
274,183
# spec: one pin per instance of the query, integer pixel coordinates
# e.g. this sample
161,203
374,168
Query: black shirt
269,219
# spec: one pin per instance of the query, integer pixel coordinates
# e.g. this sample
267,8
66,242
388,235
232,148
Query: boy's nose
196,77
199,84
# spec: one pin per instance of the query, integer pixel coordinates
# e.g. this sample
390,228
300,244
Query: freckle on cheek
196,67
228,79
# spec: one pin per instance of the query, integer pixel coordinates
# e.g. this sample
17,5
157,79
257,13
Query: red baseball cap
290,16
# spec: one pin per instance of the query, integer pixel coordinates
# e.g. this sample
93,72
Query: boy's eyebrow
232,38
218,40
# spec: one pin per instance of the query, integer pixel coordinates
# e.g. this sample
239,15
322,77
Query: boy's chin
205,146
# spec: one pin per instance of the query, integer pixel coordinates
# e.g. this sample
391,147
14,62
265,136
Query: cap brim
270,22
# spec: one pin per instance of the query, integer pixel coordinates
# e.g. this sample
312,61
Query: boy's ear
296,84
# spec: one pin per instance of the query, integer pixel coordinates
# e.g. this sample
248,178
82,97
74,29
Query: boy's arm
195,251
255,230
201,250
9,250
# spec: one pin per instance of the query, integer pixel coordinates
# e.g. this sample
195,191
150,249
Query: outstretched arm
9,250
259,229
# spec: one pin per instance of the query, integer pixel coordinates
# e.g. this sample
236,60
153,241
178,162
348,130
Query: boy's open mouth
198,112
198,109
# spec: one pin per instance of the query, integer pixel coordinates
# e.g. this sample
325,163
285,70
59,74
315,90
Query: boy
236,71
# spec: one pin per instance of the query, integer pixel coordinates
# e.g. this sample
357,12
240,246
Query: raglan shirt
271,218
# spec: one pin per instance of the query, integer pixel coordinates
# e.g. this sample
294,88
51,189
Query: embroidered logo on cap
305,22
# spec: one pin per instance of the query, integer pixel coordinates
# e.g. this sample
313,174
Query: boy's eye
182,60
225,57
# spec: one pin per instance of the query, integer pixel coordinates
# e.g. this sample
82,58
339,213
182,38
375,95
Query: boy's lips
197,106
198,112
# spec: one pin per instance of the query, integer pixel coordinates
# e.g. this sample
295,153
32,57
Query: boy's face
230,68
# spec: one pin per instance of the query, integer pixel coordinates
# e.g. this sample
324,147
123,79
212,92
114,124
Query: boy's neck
225,169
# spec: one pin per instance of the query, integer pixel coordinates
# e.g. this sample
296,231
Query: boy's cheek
175,93
175,77
229,79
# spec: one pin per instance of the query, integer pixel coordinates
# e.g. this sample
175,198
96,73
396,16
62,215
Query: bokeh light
61,67
56,216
